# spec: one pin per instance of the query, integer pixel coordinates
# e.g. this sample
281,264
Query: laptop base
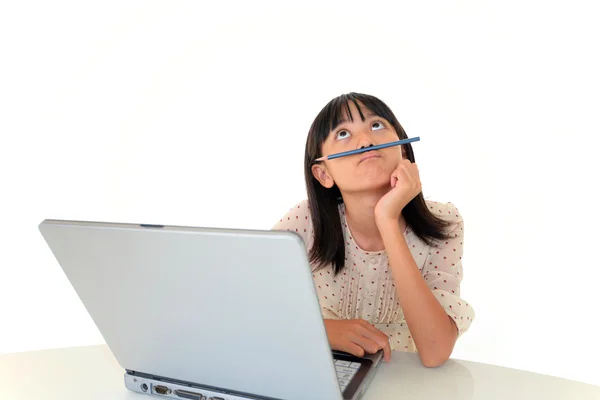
170,389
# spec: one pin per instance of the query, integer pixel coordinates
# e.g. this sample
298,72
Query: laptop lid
232,309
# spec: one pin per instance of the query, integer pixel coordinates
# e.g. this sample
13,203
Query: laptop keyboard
345,372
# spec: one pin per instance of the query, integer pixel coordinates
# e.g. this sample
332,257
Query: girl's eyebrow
366,115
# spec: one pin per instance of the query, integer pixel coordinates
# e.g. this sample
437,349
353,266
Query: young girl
387,264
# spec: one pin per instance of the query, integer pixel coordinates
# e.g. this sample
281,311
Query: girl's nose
365,140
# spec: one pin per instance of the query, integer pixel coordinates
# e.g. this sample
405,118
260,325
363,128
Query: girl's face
359,172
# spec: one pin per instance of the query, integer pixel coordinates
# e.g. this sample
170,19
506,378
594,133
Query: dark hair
329,246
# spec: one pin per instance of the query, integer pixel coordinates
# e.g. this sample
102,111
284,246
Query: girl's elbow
434,360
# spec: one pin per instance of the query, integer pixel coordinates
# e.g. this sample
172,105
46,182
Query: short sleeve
443,269
297,220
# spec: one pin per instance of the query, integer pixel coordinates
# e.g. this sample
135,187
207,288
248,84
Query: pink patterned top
365,288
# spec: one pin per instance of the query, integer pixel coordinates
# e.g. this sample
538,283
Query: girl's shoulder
446,211
297,219
300,208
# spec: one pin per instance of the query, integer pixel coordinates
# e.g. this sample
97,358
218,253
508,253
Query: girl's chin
379,187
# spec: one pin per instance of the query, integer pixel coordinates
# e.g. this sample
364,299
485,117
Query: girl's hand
406,184
357,337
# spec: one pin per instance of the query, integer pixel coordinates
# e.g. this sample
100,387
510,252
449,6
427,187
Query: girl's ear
321,174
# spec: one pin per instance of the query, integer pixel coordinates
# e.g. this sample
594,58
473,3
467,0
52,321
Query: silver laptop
207,314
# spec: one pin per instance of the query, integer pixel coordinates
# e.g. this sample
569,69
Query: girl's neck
360,216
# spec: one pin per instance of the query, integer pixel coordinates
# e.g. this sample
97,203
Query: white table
92,373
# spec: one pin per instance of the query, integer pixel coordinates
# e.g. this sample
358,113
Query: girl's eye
377,125
342,135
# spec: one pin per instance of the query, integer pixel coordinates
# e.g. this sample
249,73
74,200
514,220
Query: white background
196,113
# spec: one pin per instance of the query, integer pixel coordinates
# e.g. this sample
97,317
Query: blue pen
364,150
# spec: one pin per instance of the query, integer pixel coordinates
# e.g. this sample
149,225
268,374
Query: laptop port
184,394
144,387
161,389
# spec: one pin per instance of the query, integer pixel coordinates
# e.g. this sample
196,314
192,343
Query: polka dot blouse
365,288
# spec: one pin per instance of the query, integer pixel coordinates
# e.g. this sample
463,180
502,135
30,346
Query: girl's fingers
381,339
407,173
394,179
412,173
353,348
369,345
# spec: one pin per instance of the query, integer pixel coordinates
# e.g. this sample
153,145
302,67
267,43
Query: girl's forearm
432,329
